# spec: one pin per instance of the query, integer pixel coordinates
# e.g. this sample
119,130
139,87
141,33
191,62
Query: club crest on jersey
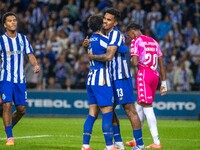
21,43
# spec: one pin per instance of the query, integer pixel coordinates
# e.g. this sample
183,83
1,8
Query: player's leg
20,101
140,112
116,132
7,119
151,82
104,98
88,126
18,114
116,124
107,116
152,123
132,114
135,123
7,92
90,119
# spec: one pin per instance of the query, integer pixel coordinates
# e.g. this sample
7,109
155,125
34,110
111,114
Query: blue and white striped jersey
12,52
118,65
99,74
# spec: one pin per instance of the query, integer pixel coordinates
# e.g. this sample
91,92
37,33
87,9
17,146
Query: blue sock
116,133
107,127
138,137
13,123
87,131
8,130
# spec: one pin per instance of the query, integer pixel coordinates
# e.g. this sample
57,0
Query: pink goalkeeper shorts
147,82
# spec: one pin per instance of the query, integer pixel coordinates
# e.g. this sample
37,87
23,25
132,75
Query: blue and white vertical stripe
99,77
118,65
99,74
12,52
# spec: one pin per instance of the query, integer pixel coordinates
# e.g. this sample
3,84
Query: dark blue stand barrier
74,104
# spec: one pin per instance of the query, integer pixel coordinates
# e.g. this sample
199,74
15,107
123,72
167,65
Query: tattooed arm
110,52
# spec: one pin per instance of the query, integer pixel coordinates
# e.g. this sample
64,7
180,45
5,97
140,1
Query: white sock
86,145
109,147
140,112
152,123
119,143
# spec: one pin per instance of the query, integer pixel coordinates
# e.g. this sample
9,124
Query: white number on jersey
153,58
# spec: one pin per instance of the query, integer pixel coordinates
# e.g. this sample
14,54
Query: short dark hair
113,12
134,26
6,15
95,22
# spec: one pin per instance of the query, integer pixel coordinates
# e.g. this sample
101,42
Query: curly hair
95,22
134,26
6,15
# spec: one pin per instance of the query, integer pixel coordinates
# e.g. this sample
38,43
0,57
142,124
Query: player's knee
21,110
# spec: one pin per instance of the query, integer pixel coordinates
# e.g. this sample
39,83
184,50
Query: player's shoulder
3,35
137,39
115,31
97,37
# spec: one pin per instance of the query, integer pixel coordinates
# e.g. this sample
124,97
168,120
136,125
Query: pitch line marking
96,137
29,137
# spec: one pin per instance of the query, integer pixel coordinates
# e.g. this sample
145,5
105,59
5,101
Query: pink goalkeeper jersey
147,50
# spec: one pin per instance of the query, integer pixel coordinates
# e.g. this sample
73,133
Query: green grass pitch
66,134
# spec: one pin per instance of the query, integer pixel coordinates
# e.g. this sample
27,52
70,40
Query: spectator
54,45
65,26
175,15
82,72
48,71
194,10
153,17
183,78
52,84
189,33
176,35
61,70
197,78
138,14
76,36
44,22
170,76
194,49
163,28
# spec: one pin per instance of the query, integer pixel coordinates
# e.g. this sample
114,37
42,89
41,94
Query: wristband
164,85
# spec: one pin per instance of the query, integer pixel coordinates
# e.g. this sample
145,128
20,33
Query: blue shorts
100,95
13,92
123,91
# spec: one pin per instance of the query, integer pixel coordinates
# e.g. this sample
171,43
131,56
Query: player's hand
36,68
163,88
86,42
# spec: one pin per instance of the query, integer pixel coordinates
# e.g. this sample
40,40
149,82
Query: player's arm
110,52
34,63
163,87
134,60
122,49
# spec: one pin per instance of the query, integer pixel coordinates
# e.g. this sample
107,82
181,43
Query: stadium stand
56,29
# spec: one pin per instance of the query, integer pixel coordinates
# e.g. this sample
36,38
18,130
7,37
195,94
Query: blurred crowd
57,28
